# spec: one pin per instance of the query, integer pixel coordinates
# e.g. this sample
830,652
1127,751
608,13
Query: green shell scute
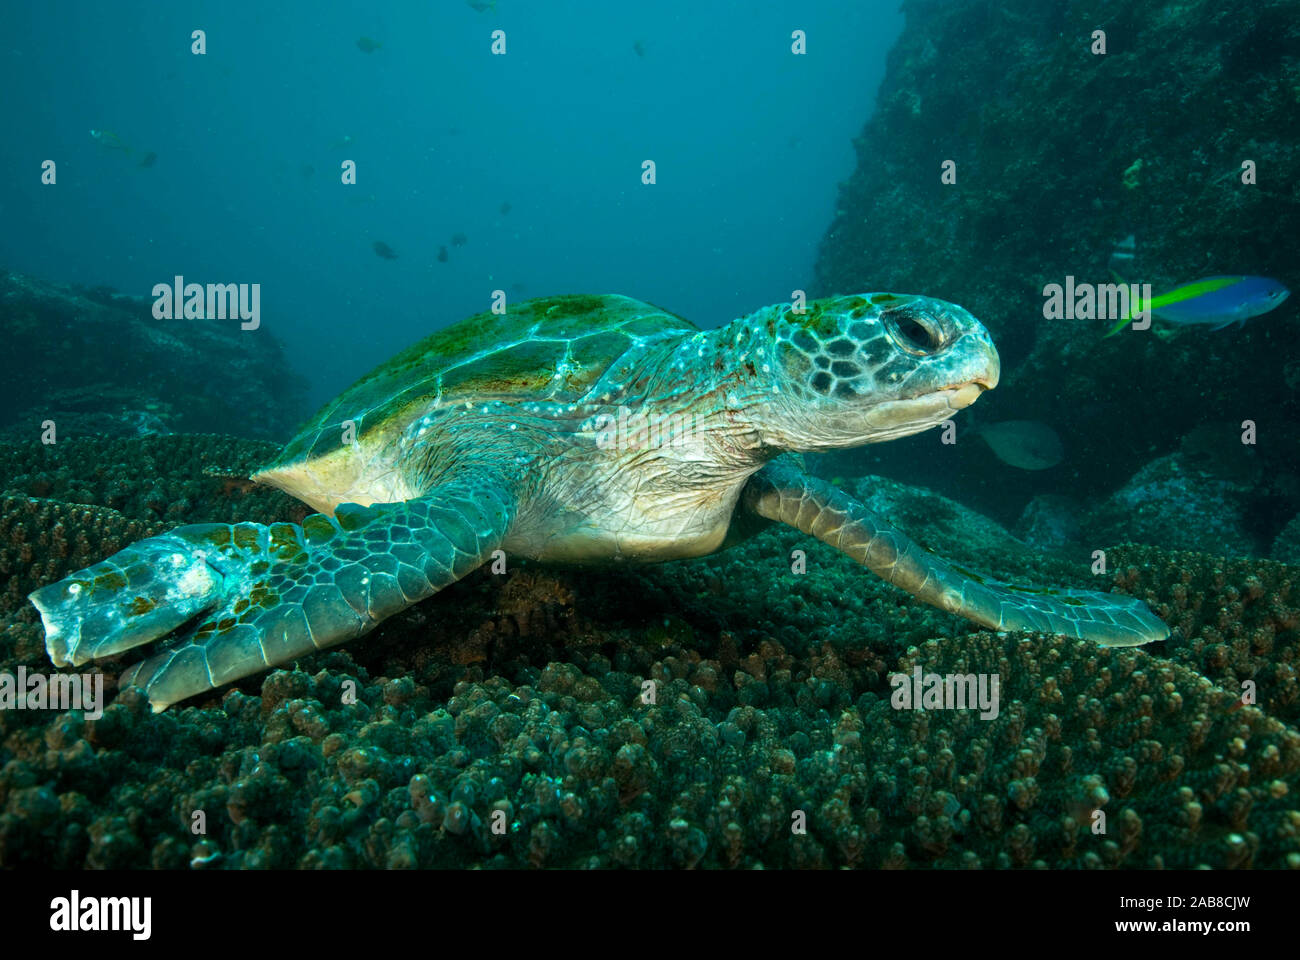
549,348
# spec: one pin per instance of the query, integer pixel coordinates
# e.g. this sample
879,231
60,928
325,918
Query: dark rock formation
97,362
1046,137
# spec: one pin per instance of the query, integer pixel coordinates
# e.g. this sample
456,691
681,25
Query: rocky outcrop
96,362
1059,155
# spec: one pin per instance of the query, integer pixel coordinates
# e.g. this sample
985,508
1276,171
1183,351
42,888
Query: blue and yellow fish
1215,302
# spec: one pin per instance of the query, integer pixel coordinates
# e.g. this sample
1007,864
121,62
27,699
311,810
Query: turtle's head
861,369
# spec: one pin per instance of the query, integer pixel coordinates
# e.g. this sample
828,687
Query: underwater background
776,172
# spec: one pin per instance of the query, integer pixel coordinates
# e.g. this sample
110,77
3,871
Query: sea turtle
576,429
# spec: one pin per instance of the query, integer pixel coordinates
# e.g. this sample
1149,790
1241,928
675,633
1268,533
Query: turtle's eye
914,331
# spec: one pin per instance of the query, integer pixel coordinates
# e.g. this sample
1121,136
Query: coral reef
505,722
1287,545
178,479
44,540
1234,620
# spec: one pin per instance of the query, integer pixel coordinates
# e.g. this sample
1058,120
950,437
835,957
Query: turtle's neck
731,370
736,359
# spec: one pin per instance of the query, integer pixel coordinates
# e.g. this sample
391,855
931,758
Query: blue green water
749,142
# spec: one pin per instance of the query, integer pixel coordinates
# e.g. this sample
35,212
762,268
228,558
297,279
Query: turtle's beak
966,395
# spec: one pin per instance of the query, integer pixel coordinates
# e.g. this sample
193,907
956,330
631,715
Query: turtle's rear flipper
781,492
261,596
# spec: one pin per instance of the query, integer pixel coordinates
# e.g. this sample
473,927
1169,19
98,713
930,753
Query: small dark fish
482,6
518,287
639,47
1027,444
442,254
459,240
505,207
1125,251
109,140
384,250
149,159
306,170
366,45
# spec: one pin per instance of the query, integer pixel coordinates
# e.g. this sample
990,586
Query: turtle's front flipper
261,596
780,492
